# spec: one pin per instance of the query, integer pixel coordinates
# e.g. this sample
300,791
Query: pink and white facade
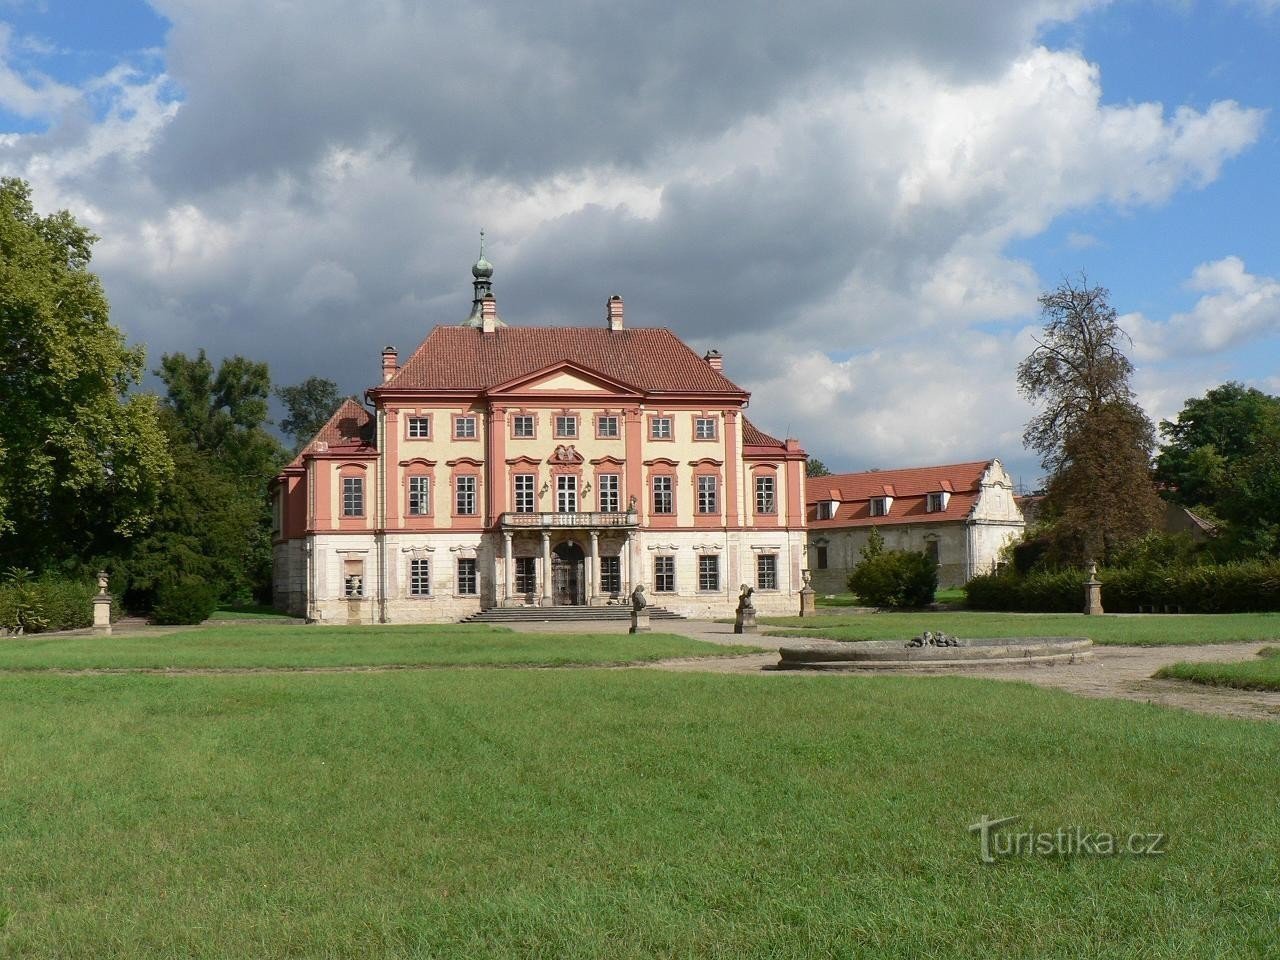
540,466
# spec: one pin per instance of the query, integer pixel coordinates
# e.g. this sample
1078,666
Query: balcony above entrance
570,521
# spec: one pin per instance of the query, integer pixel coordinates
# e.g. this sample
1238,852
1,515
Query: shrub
895,578
187,600
45,604
1204,588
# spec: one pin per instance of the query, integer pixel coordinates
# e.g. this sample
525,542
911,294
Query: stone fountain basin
892,654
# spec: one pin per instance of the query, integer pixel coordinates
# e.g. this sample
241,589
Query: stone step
617,612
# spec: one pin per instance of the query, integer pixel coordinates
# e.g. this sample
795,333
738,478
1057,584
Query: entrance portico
571,558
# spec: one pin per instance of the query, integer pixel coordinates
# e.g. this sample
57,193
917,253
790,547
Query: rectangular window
826,509
708,497
663,498
566,426
709,572
606,427
419,496
608,495
664,574
821,558
767,571
526,498
704,428
566,493
353,496
611,575
765,502
419,428
464,428
526,575
660,428
464,496
523,425
931,551
879,507
935,504
419,578
353,578
467,584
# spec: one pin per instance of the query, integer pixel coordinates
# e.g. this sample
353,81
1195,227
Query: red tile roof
350,428
651,359
753,436
909,488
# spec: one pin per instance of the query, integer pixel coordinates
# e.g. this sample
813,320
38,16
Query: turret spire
482,275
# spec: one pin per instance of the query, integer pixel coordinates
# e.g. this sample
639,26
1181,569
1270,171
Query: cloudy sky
857,202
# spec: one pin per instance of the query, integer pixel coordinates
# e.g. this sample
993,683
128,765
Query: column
593,570
546,569
506,567
625,554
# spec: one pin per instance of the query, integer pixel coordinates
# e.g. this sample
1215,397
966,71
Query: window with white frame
937,503
566,493
468,585
765,501
526,497
767,571
608,492
879,506
664,574
660,428
353,496
708,495
419,428
826,509
709,572
464,428
523,425
566,425
704,428
419,496
419,578
606,426
464,490
663,495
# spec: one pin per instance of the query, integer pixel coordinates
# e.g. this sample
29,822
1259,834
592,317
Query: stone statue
102,583
744,599
931,639
638,602
639,615
807,577
744,621
631,505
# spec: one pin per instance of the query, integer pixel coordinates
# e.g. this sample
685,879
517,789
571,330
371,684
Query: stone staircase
616,612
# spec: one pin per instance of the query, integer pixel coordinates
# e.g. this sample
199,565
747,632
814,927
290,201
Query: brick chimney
613,310
488,313
714,360
390,363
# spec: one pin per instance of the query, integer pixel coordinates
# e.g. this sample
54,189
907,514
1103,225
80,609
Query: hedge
185,601
1218,588
45,605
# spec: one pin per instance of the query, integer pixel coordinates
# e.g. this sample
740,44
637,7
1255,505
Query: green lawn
592,813
275,645
1260,674
255,611
1141,630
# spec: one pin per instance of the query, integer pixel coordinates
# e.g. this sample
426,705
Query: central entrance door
566,575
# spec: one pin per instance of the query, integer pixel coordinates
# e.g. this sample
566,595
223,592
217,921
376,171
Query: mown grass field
592,813
1260,674
1138,630
278,645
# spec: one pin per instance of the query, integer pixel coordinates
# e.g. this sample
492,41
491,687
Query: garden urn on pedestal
1092,592
102,607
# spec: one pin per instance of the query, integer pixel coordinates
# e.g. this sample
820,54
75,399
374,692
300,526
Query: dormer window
937,502
880,506
827,509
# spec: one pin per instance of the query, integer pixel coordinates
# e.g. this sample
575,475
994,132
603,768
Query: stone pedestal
745,621
1092,593
808,602
102,614
639,621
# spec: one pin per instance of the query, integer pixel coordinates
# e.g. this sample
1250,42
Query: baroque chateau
540,466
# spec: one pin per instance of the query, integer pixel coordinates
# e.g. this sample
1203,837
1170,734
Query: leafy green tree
816,468
1094,440
82,459
1221,458
310,404
893,578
